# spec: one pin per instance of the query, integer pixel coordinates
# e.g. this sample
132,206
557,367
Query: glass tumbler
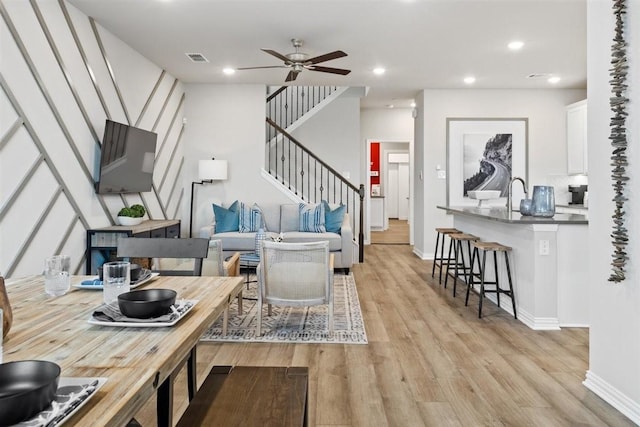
57,280
116,280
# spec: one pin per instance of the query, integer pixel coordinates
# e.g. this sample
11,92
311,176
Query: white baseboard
613,396
536,323
421,254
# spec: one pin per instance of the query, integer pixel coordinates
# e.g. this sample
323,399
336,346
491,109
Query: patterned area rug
297,324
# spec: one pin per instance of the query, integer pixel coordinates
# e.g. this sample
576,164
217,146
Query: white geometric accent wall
61,76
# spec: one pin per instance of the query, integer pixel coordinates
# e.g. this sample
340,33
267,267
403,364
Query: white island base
548,264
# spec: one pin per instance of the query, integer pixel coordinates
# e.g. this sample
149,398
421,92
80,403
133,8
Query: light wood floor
396,234
430,361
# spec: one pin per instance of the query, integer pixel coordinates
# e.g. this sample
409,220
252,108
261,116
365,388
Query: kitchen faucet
510,191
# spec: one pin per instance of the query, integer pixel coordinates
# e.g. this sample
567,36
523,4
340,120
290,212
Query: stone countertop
571,206
500,214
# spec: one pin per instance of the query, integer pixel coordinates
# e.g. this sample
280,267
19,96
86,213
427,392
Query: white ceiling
423,44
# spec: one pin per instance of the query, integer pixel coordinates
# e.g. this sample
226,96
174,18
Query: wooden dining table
137,362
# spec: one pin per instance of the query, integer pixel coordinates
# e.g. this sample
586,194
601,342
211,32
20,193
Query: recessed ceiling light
378,71
469,80
413,104
229,71
390,105
515,45
554,79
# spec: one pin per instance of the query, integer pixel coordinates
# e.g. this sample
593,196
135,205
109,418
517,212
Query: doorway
397,185
377,216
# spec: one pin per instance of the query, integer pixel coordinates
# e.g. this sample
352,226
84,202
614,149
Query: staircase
294,167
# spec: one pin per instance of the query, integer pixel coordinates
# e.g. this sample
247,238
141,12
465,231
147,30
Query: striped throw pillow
311,218
250,218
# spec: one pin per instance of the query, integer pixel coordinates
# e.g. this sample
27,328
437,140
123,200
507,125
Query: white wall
49,164
226,122
614,336
547,142
333,134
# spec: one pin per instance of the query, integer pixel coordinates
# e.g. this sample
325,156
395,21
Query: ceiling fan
298,61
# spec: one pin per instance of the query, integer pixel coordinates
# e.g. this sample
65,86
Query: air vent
539,76
197,57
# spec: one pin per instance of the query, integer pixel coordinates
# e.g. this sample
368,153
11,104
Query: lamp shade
212,169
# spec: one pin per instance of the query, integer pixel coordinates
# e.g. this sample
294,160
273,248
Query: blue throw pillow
333,218
226,219
311,218
250,218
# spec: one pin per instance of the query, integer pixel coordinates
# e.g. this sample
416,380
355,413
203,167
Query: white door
403,191
392,196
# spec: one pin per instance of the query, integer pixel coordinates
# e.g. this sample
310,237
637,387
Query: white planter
128,221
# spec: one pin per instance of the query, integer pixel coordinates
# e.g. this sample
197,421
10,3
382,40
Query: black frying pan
26,388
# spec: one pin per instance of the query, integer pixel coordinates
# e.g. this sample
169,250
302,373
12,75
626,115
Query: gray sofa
284,218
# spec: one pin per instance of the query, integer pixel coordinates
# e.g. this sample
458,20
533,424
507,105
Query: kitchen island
548,262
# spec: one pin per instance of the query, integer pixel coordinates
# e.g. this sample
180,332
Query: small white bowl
128,221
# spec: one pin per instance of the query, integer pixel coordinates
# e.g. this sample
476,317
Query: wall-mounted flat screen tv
127,157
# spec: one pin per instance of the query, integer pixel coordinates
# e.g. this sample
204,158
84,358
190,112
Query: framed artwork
484,154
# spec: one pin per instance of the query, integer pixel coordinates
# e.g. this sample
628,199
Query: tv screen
127,158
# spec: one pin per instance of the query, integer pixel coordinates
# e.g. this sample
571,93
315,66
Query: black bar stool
495,248
440,261
458,260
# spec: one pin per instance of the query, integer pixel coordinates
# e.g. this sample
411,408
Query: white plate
43,418
142,324
132,286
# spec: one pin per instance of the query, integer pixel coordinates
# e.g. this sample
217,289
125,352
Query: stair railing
311,179
289,103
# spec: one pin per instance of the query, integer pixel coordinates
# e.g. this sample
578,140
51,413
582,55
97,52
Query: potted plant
131,215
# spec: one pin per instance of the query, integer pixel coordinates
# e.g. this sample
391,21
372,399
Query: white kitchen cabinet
577,138
377,213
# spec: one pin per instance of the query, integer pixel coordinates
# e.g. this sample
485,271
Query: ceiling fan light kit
298,61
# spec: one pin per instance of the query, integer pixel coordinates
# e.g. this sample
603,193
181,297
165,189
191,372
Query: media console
102,243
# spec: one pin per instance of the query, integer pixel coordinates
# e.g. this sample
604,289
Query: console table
101,242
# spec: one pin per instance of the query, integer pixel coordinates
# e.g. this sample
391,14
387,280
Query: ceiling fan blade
326,57
291,76
276,54
329,70
267,66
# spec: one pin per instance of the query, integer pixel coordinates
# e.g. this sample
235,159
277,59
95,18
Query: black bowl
134,273
26,388
146,303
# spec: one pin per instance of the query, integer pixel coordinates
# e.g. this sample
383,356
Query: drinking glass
116,280
57,280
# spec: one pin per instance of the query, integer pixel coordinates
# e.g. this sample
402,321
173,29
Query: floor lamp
208,171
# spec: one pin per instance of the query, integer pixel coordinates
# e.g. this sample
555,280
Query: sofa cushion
333,218
271,216
289,217
240,242
250,218
226,219
311,218
335,242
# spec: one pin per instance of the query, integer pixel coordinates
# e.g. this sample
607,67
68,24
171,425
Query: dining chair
176,252
215,265
295,274
172,257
